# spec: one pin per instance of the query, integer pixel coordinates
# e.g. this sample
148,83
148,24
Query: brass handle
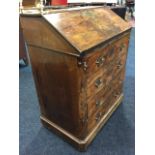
98,82
98,116
120,81
100,61
99,103
85,66
121,47
110,88
119,66
116,94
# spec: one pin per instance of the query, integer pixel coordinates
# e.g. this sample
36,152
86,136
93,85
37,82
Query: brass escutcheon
99,103
100,61
98,82
98,116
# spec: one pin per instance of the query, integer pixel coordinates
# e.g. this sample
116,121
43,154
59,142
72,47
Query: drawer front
101,80
100,59
100,75
105,70
98,83
109,100
99,104
97,101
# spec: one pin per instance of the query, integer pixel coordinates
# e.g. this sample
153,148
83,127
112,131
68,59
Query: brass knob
85,66
98,116
120,49
110,87
120,81
100,61
98,82
99,103
122,46
119,66
116,94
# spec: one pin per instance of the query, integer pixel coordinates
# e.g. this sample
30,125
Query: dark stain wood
59,86
77,90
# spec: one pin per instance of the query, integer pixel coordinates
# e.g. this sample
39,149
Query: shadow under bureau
78,59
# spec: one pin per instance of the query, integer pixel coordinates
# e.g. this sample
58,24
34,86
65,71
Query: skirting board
81,145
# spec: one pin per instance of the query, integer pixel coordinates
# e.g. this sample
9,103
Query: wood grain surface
88,27
39,33
77,90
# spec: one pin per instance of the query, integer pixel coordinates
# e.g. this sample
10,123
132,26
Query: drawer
101,80
96,116
102,75
117,91
97,83
101,102
102,58
98,100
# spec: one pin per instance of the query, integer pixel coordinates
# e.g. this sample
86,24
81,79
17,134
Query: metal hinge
83,64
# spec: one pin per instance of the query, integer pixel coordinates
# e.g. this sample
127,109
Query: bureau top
72,31
86,28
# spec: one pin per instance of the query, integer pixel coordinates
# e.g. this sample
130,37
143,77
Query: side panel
58,82
40,33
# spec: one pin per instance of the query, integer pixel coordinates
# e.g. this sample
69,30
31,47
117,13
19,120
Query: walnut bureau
78,59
